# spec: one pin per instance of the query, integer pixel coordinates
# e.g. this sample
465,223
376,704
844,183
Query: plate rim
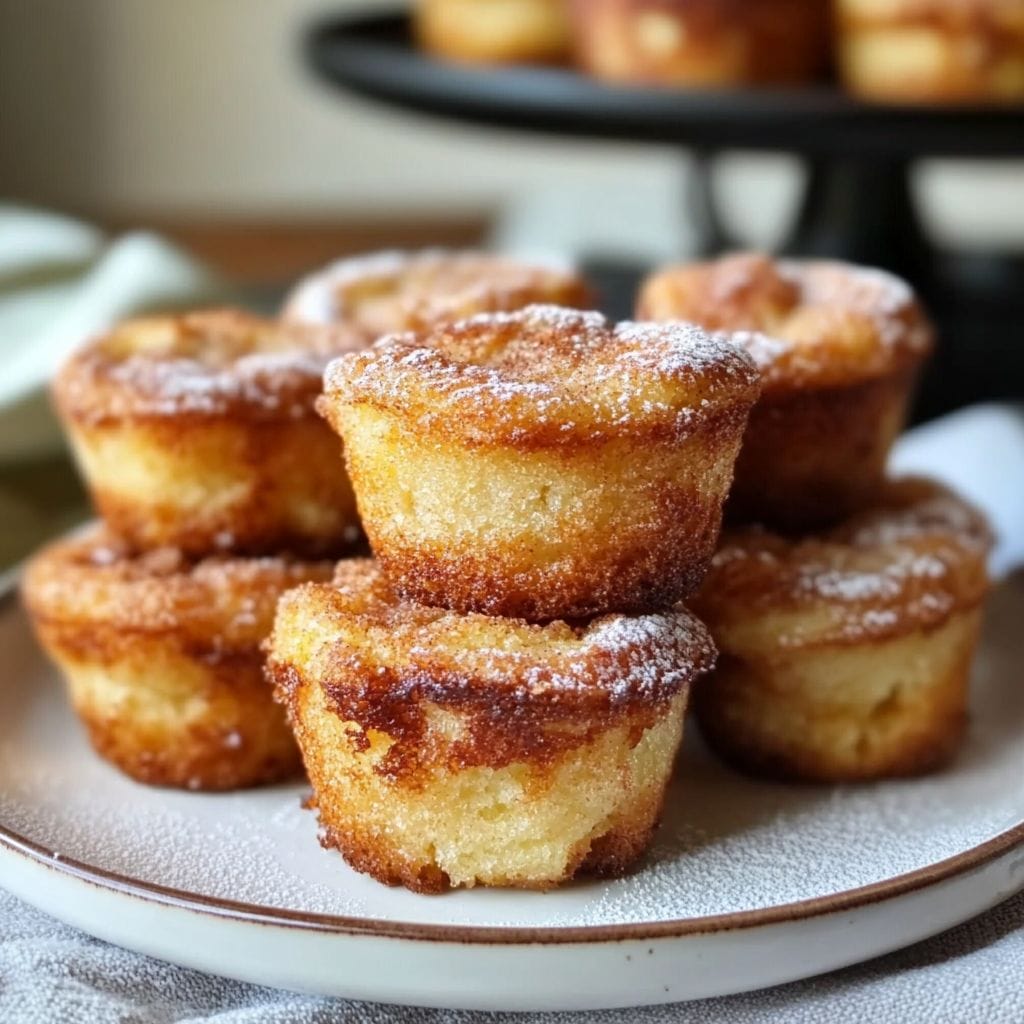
849,899
963,863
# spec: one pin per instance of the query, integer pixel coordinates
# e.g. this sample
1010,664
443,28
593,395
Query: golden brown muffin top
546,377
210,363
701,18
814,323
910,561
371,647
92,578
387,292
963,15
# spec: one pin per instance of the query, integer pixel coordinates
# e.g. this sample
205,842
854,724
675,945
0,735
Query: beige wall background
203,108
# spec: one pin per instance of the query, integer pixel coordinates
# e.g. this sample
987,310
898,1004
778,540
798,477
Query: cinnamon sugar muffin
702,42
543,464
494,31
448,750
846,655
162,657
932,51
199,432
388,292
838,347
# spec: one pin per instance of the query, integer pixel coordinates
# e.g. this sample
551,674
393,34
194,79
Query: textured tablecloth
52,974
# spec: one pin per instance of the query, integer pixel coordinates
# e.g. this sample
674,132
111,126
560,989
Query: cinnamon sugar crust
216,601
807,324
702,42
531,691
389,292
846,655
162,656
201,365
449,749
543,464
199,432
546,377
916,556
838,348
811,458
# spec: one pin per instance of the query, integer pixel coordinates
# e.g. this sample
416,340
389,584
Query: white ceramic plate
748,885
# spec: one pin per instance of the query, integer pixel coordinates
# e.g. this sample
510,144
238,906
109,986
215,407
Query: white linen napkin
980,451
62,281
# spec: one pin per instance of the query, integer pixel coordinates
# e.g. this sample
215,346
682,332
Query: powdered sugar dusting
886,298
915,557
268,382
200,364
630,657
806,323
95,577
549,369
315,299
424,286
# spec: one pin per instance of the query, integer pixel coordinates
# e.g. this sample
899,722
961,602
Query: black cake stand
857,203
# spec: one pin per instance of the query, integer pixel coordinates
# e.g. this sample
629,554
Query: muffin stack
846,606
498,699
218,488
498,696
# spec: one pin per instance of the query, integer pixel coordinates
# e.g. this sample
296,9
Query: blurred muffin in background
387,292
494,31
701,42
920,51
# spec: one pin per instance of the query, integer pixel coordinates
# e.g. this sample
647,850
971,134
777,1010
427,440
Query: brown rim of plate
850,899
